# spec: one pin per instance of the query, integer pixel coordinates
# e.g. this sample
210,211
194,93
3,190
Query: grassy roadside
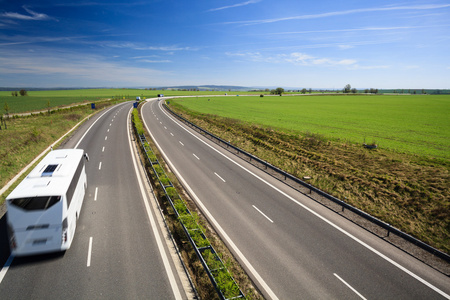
26,137
410,192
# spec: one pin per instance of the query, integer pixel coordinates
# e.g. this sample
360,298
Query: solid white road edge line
236,250
417,277
349,286
262,213
89,252
159,242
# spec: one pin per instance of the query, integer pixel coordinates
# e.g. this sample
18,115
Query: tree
354,91
23,92
279,91
303,91
310,90
347,88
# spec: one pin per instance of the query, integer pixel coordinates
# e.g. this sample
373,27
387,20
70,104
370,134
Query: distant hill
208,88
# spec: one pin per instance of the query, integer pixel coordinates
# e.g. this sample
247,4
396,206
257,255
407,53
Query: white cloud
340,13
308,60
235,5
33,16
155,61
358,67
345,47
72,69
135,46
296,58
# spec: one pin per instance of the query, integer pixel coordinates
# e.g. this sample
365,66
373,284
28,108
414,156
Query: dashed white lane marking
181,143
349,286
219,177
196,156
96,192
100,166
89,252
6,267
263,214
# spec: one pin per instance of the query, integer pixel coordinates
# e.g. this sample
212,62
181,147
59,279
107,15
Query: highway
292,247
119,251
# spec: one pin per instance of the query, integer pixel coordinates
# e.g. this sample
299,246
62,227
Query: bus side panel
73,212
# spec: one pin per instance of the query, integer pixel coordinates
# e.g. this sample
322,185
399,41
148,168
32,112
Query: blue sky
311,44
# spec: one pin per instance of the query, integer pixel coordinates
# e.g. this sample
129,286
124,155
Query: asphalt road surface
292,247
118,251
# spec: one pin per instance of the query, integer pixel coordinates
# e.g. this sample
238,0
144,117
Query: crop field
417,124
42,100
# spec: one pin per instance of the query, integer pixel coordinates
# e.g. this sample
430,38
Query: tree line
22,92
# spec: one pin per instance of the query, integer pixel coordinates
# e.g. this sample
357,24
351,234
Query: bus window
35,203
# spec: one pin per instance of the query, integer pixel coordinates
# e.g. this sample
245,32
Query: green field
41,100
417,124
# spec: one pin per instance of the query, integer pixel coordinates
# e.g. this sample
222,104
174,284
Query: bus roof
52,176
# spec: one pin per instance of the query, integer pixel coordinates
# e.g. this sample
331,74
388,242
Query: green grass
39,100
413,124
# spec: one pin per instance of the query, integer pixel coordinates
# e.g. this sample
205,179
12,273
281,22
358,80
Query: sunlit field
42,100
416,124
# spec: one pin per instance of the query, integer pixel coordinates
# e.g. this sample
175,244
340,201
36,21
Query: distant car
138,98
160,95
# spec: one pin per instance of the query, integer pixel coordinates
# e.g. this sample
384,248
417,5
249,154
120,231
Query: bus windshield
35,203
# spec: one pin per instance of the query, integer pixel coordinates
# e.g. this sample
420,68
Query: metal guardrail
285,175
201,247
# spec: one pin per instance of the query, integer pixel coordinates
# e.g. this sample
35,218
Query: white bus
43,209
